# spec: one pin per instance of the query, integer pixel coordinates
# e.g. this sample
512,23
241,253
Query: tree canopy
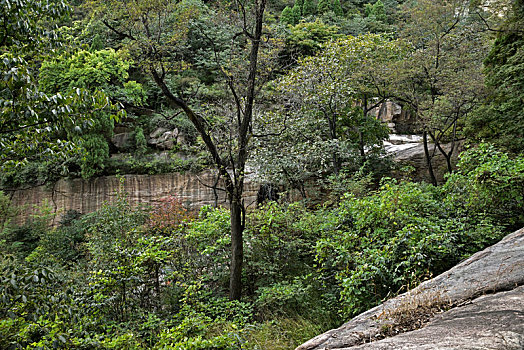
501,118
31,120
325,122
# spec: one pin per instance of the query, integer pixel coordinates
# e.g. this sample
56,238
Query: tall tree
286,16
156,32
300,4
323,6
308,8
501,118
441,81
337,8
379,11
296,13
326,121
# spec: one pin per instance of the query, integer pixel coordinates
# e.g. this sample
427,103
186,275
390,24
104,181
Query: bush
391,240
284,298
35,307
167,215
278,246
64,245
490,183
135,278
22,240
140,141
205,250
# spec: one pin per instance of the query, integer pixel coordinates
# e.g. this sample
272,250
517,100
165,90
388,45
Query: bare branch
214,186
199,124
273,134
121,35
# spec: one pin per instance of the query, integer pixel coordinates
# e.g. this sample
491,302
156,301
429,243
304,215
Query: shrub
393,239
35,307
64,245
490,183
167,215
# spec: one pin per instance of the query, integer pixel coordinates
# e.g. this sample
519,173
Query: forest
287,92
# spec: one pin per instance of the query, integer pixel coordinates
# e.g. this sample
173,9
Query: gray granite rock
493,321
121,140
487,312
165,139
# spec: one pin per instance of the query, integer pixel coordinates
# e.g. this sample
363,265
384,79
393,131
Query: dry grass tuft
412,313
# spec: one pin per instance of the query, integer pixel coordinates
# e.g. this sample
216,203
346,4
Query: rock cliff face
88,196
398,119
485,300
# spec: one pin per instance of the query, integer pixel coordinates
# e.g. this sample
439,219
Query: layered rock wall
87,196
194,190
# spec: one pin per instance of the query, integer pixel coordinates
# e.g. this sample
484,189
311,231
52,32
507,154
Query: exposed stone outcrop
87,196
166,139
488,322
398,119
486,296
121,140
409,150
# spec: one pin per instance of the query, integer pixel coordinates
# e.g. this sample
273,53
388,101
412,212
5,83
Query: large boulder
478,304
122,140
409,150
165,139
493,321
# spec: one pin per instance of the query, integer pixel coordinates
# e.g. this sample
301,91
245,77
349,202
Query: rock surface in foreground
488,322
486,289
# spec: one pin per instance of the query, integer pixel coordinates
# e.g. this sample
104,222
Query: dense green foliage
157,278
501,118
323,6
31,120
186,74
323,125
108,56
306,38
105,70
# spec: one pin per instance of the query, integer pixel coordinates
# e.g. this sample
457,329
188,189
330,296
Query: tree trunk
332,122
237,249
446,155
361,146
234,183
157,283
428,159
448,162
237,207
365,112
